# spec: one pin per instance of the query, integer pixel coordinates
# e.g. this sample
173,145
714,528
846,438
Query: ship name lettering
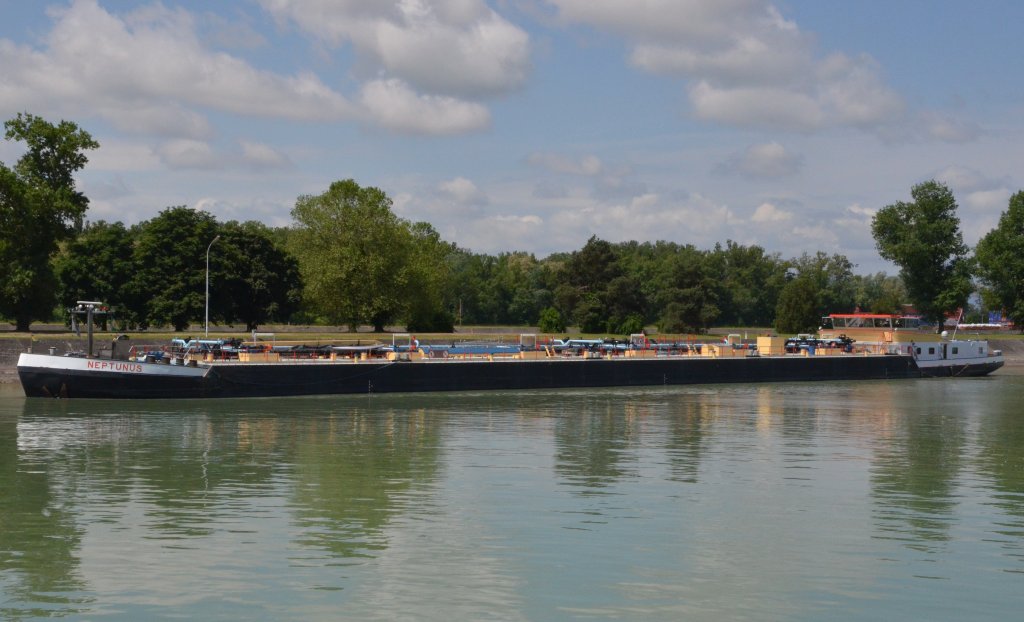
114,366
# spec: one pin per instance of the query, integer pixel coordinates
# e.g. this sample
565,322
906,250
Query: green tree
1000,257
686,294
748,283
353,253
252,279
879,293
594,266
99,265
923,238
470,280
833,277
170,260
591,315
39,207
799,307
429,296
551,321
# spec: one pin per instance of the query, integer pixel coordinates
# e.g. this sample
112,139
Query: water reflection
195,478
1001,462
917,462
622,503
594,442
38,535
354,470
689,431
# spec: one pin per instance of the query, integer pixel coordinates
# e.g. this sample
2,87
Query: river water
846,501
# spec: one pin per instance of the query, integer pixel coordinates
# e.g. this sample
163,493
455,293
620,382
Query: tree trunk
22,321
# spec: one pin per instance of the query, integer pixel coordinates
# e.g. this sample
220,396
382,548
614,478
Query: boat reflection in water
846,499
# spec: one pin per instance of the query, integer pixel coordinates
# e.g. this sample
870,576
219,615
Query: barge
218,370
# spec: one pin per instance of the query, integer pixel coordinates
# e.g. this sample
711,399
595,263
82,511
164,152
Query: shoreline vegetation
348,259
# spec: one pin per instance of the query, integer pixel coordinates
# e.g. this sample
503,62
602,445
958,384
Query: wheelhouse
843,321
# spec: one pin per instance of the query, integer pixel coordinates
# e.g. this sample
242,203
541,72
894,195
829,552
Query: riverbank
10,348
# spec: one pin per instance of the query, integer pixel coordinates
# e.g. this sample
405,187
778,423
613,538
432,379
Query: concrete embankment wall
11,348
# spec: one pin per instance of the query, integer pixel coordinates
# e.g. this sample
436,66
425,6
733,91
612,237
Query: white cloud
269,212
764,160
463,191
950,130
393,105
975,189
962,177
747,65
452,47
766,212
756,107
149,72
858,211
852,93
491,234
992,201
118,155
141,71
189,154
261,156
820,236
589,165
649,216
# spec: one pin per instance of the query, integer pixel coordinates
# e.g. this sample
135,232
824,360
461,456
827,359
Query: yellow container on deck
771,346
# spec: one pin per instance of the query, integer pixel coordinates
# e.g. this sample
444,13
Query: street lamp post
208,284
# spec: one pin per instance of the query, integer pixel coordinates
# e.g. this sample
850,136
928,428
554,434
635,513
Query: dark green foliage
97,265
252,280
429,297
354,254
799,308
590,314
879,293
687,296
39,207
592,267
155,274
439,321
923,238
551,321
509,289
1000,257
747,282
633,324
170,257
363,264
833,281
595,290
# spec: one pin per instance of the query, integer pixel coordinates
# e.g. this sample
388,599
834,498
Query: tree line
348,259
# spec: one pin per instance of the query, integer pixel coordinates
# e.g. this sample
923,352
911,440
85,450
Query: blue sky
534,124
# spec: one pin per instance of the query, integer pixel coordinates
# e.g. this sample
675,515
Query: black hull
286,379
953,371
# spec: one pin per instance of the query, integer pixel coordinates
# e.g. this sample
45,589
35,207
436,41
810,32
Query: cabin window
981,350
919,350
931,350
955,349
